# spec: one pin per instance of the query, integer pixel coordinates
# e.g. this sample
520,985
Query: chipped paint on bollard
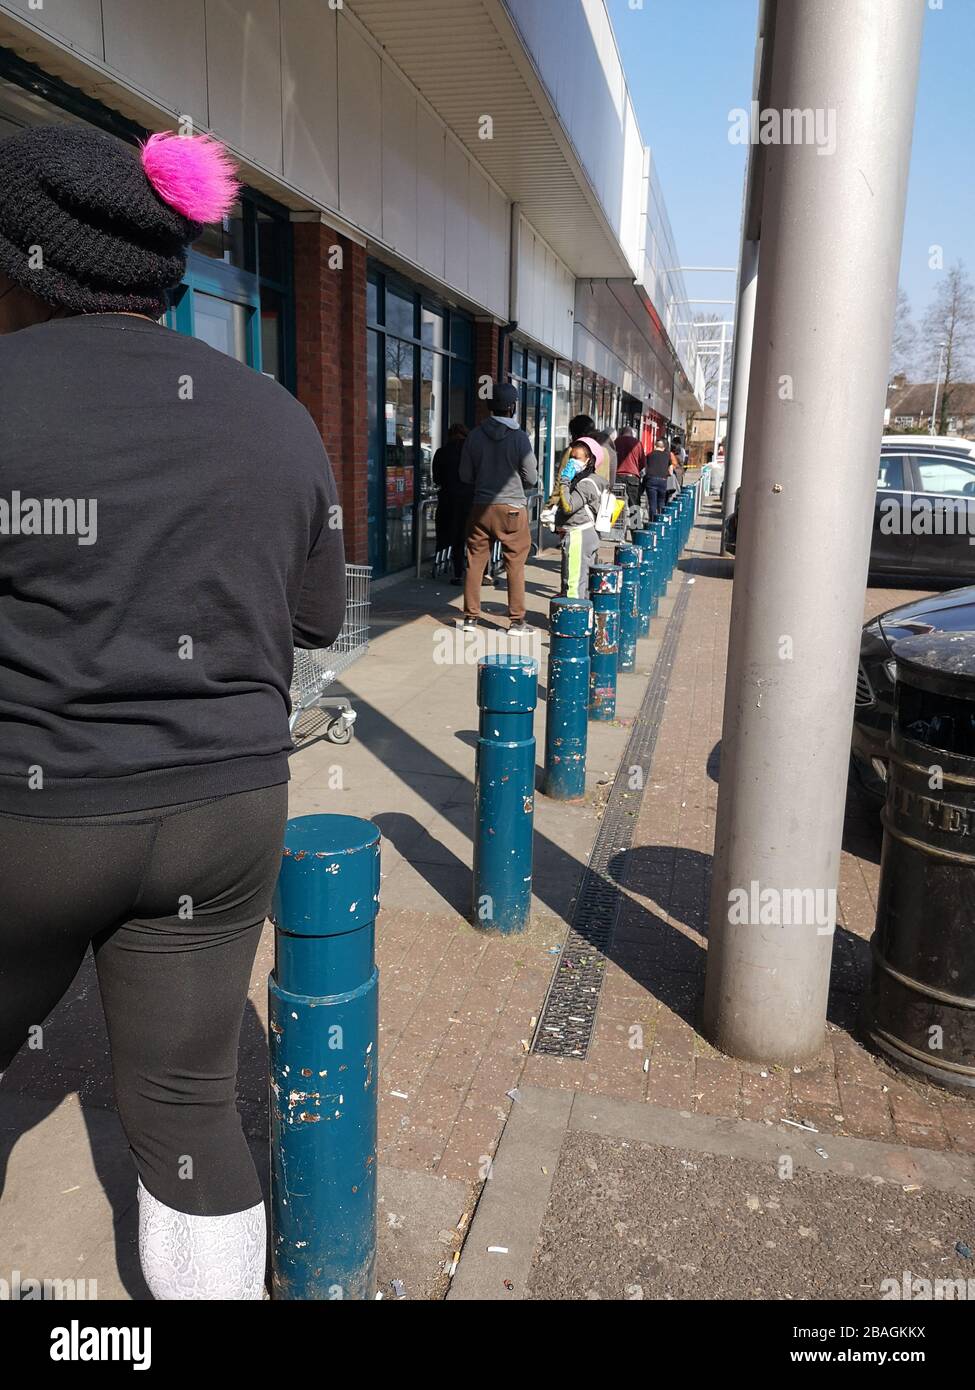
685,504
323,1030
658,529
605,582
628,558
504,793
647,542
567,702
669,523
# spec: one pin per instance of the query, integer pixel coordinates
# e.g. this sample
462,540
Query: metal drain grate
568,1016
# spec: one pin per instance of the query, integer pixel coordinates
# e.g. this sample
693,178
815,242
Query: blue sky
689,62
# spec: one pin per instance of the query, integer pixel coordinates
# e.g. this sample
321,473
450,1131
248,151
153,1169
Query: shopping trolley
617,533
315,671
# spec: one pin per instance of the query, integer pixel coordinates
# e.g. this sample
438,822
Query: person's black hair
580,425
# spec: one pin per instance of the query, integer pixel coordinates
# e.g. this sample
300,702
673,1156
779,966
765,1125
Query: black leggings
172,901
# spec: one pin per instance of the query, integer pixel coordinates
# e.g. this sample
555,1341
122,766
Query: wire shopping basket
315,671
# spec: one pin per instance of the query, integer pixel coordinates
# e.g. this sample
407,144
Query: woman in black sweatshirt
169,530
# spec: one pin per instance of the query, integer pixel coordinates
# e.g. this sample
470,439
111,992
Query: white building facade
435,194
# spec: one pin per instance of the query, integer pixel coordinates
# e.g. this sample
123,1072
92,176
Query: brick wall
330,327
486,333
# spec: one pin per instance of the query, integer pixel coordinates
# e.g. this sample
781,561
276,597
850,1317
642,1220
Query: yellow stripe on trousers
575,563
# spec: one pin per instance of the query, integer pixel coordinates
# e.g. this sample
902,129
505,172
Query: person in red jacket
631,460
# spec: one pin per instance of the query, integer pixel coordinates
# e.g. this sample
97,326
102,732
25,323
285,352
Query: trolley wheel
339,732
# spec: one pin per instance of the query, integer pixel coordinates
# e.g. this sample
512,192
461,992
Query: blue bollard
605,582
687,513
647,542
659,564
646,591
567,706
673,521
504,793
628,559
664,533
323,1027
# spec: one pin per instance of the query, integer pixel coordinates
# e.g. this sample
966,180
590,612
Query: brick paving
457,1007
646,1045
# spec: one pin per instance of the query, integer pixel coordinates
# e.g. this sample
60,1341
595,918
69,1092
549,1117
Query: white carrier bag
604,514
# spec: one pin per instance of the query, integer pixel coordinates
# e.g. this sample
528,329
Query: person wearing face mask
578,493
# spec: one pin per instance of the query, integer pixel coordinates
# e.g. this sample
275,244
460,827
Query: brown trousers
509,525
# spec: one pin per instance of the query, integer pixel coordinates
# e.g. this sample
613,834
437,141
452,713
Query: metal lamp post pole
717,399
937,388
823,322
734,449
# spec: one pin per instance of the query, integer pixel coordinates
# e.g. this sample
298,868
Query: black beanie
79,204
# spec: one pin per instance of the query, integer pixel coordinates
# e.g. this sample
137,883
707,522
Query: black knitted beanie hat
92,225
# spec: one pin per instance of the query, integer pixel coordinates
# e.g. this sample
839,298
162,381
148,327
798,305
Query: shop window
461,337
221,323
400,315
375,465
400,451
543,452
425,384
272,334
431,328
459,395
432,424
531,415
272,248
226,241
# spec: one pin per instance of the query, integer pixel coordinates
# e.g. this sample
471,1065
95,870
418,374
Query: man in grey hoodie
498,463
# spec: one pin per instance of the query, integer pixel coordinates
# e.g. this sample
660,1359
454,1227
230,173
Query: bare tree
707,331
904,345
948,336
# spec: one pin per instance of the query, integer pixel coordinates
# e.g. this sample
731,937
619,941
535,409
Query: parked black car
953,611
924,514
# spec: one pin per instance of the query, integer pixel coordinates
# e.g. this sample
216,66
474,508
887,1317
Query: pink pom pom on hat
192,173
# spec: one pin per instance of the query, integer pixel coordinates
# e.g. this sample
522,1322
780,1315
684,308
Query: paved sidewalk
659,1168
655,977
458,1008
592,1198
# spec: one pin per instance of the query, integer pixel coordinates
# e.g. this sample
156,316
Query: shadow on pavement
448,876
76,1061
708,566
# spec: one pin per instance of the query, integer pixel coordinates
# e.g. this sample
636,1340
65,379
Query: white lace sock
201,1257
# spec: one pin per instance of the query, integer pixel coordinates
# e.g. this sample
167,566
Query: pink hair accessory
594,447
192,173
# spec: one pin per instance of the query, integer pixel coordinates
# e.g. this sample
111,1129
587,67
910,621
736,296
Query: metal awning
468,60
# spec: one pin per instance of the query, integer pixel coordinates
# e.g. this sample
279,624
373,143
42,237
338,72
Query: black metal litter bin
921,1006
